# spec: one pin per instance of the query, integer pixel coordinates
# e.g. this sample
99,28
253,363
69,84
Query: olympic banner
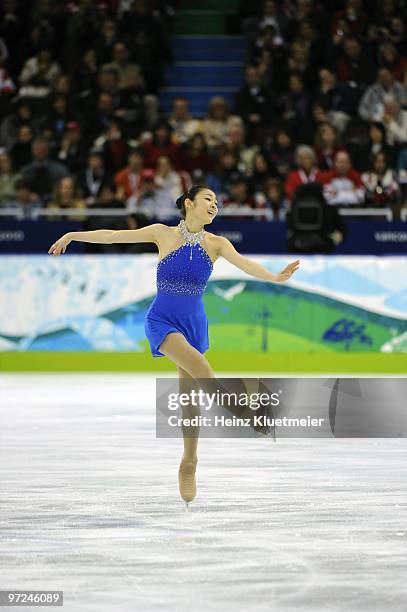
98,303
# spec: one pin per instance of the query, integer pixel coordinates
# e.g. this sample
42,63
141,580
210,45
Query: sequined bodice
184,271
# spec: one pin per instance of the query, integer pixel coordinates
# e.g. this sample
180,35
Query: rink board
338,313
390,363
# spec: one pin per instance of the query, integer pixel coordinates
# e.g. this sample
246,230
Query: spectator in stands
183,125
239,199
326,144
108,82
22,115
154,202
340,32
217,122
398,33
282,154
72,151
235,141
25,201
389,57
131,80
380,182
295,103
39,37
127,104
355,67
395,122
226,168
334,97
386,88
268,40
299,62
108,37
308,33
170,182
83,28
375,144
99,119
355,70
20,152
327,88
67,195
127,180
147,200
297,12
259,174
195,157
354,15
7,89
274,197
93,177
114,145
272,17
62,86
130,74
270,70
54,122
86,76
42,172
319,114
37,75
7,177
161,144
254,104
307,171
343,185
383,15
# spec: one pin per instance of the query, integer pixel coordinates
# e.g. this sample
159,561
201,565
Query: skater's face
204,207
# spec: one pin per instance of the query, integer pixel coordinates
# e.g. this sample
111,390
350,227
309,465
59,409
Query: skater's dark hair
190,194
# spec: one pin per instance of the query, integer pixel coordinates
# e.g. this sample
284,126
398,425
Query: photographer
312,225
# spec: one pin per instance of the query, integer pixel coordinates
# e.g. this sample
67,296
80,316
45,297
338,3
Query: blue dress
178,305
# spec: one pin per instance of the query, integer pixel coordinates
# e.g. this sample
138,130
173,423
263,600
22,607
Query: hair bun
179,202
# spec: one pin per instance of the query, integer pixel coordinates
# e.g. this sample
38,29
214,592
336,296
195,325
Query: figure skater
176,325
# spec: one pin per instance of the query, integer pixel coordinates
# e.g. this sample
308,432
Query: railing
367,212
244,212
102,212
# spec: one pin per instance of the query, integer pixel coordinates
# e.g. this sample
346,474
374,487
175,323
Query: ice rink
90,506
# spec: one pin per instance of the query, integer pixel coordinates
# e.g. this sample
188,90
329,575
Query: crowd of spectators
324,100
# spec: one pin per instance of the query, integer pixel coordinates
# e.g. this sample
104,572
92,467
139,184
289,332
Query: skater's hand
288,271
60,245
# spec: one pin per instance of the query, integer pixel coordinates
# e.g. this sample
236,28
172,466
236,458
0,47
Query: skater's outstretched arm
228,251
150,233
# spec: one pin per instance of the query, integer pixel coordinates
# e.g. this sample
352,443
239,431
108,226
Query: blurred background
293,112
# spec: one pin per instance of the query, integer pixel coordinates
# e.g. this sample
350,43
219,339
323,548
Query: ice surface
90,506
